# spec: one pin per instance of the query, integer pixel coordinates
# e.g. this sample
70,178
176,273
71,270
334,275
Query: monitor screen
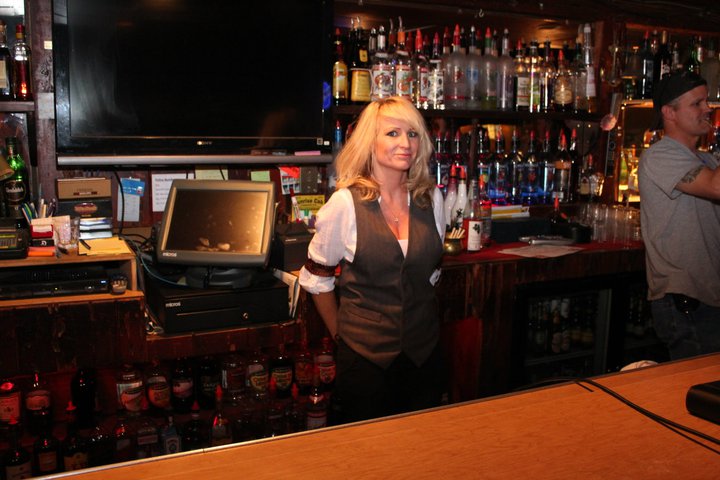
217,224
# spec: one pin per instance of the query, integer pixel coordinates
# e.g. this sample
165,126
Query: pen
85,244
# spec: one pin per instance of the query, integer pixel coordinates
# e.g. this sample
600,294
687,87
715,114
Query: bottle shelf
488,115
560,357
17,107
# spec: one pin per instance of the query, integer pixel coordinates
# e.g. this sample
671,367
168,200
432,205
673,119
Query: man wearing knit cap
680,217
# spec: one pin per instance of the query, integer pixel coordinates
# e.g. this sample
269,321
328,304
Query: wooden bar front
561,432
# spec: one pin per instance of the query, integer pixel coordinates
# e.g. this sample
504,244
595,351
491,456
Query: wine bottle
316,409
38,404
325,364
10,404
22,81
17,460
281,371
220,428
83,389
183,386
17,187
74,446
6,65
157,387
339,72
209,379
46,454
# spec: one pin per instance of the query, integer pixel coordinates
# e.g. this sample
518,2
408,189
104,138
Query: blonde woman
384,228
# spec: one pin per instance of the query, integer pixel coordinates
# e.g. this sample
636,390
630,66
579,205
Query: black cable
678,428
122,200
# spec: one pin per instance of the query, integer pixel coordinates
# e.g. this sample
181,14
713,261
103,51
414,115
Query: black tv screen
176,81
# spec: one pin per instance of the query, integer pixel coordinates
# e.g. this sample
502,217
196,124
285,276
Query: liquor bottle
505,75
10,403
257,373
575,166
74,446
710,71
17,187
17,460
339,72
46,454
471,212
83,389
208,379
488,75
402,67
696,55
295,417
532,65
22,80
450,197
479,226
232,372
647,68
124,439
220,427
458,209
473,72
521,86
580,78
530,180
170,441
498,171
325,364
421,72
516,170
303,368
588,188
677,64
6,63
130,391
547,78
194,432
589,62
101,447
157,387
381,74
546,171
183,386
557,216
563,86
38,405
360,68
662,63
456,87
147,436
281,370
436,77
316,409
563,171
275,412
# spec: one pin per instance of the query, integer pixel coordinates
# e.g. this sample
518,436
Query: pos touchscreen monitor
220,229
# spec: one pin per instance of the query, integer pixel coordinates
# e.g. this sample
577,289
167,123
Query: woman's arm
327,307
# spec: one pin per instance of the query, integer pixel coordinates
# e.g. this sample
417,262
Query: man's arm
327,307
701,182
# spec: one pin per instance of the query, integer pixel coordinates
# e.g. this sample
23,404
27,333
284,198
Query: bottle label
422,86
171,444
474,242
360,85
16,472
182,388
9,406
403,81
340,81
522,92
37,400
131,399
47,462
382,81
76,461
303,372
283,377
15,191
158,392
436,90
257,378
326,368
4,80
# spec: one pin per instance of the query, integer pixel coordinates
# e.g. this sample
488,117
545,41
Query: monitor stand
208,277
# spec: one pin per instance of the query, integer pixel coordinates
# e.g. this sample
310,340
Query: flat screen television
191,81
221,230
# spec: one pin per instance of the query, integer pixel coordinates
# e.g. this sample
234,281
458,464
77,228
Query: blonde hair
354,163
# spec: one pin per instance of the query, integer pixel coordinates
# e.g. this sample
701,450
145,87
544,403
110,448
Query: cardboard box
84,187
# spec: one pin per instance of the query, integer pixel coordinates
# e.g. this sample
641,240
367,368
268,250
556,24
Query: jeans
687,332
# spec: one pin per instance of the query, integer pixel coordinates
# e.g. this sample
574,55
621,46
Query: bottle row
536,174
463,71
161,409
561,324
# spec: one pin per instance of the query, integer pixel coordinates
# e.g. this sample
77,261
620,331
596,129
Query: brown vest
387,303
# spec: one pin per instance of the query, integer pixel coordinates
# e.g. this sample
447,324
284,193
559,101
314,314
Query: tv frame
217,260
145,150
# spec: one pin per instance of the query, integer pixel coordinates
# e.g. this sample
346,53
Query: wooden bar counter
559,432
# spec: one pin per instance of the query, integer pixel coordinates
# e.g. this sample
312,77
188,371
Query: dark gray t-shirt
681,232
